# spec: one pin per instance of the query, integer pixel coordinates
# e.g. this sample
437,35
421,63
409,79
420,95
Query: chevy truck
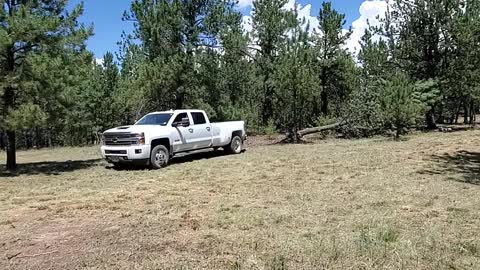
159,136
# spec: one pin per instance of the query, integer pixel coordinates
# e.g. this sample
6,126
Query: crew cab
157,137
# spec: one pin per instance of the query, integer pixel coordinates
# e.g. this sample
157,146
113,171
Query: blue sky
106,16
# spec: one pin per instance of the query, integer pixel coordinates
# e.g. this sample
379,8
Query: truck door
200,131
182,134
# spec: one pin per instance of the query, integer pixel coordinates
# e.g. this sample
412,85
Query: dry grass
364,204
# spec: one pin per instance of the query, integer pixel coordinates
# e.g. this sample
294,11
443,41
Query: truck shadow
48,167
465,164
182,158
199,155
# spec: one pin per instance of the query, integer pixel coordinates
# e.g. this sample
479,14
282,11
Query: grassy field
336,204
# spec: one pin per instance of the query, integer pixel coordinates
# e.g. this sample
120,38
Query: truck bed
221,131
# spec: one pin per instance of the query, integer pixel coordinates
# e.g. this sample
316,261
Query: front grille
120,139
116,152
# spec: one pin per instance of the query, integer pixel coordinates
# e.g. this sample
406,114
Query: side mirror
185,122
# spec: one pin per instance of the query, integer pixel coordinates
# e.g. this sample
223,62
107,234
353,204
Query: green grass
335,204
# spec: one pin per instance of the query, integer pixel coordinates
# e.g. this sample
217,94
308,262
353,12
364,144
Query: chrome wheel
237,145
160,157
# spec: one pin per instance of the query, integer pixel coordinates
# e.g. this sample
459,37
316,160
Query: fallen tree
307,131
296,137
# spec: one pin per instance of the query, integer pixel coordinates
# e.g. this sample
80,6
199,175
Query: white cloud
369,10
247,24
304,12
99,61
244,3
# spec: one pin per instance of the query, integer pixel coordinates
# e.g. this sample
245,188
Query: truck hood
147,129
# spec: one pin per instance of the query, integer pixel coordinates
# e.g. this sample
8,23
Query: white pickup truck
158,136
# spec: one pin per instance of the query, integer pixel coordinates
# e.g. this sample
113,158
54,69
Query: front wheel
159,157
235,146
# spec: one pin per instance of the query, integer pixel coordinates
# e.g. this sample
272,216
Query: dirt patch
263,140
47,244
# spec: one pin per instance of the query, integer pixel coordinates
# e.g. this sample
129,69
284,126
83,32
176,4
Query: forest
416,69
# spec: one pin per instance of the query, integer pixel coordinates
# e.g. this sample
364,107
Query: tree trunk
8,103
294,136
324,100
457,113
37,138
3,144
318,129
11,151
324,94
267,109
472,113
315,108
441,118
295,120
430,119
465,113
179,100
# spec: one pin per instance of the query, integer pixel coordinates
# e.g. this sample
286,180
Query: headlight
141,139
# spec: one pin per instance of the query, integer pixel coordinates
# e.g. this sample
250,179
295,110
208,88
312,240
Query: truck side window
198,118
179,117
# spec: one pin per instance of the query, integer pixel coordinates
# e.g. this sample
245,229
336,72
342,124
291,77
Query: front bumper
126,154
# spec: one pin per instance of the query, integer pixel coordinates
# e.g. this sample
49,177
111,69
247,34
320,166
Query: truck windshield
155,119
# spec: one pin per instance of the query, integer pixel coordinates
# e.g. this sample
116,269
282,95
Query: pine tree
424,40
295,79
363,115
94,109
400,104
235,75
33,31
462,74
132,98
173,35
270,22
330,43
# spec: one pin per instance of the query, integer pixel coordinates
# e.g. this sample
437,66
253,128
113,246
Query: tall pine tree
32,30
330,43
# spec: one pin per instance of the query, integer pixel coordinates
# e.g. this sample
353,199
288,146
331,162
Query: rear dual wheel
235,146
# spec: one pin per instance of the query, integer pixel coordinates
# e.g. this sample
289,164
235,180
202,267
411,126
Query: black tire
119,166
235,146
159,157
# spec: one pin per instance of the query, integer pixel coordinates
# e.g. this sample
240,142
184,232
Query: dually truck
157,137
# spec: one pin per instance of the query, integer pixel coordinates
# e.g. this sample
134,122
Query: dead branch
9,257
34,255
